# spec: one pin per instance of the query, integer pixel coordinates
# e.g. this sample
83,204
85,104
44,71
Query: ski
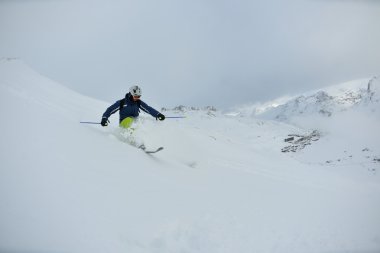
154,151
150,151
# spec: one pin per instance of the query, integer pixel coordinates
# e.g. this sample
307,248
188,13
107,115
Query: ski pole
175,117
87,122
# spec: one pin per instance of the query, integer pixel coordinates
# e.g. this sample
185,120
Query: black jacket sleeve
112,109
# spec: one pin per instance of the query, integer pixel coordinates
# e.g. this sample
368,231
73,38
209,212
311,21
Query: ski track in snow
221,184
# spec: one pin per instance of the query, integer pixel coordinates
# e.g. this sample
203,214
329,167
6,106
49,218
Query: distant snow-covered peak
322,102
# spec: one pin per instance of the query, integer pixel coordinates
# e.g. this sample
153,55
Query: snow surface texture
221,184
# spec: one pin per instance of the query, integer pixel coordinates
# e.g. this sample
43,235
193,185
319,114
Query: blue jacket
129,108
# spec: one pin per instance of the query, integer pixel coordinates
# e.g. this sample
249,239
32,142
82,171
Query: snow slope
221,184
346,117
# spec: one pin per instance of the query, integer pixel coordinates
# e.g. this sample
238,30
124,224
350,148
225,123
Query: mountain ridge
325,101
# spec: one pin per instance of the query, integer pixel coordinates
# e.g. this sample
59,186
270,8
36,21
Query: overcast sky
194,52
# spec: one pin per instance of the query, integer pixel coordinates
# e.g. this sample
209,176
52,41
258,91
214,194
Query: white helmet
135,90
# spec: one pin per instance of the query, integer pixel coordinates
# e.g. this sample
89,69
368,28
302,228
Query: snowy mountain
323,102
221,184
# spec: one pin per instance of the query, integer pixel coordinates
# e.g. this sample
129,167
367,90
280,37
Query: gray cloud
194,52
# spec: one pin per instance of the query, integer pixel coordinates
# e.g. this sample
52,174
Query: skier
129,108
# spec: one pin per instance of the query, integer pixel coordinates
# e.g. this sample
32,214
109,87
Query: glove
104,122
160,116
